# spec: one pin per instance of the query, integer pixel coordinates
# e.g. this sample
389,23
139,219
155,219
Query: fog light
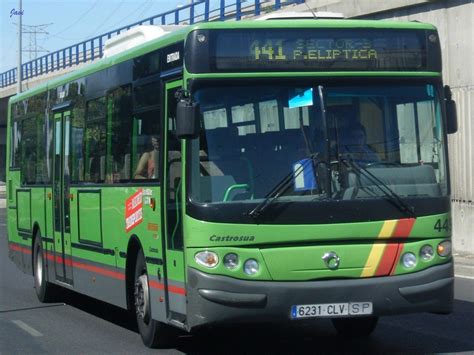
427,252
409,260
444,248
251,267
231,261
206,258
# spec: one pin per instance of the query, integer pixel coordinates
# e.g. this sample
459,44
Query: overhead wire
79,19
147,8
107,19
140,7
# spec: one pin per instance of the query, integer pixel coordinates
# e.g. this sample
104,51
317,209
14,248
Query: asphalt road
83,325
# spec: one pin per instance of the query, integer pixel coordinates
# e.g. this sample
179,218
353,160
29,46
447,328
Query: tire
153,333
355,327
45,291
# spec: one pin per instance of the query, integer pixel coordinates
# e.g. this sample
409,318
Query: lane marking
31,308
27,328
464,277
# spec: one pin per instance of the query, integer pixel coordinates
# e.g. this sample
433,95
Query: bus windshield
312,144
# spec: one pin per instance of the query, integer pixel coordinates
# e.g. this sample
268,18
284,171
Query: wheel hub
39,268
142,304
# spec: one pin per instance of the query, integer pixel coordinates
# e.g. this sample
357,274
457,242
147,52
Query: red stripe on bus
20,249
99,270
157,285
387,261
172,289
95,269
397,258
58,259
403,228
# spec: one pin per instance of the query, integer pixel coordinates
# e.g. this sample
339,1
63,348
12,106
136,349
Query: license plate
331,310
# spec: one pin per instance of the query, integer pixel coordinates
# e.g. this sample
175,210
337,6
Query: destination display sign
315,49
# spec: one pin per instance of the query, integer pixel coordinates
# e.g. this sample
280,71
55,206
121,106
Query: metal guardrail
92,49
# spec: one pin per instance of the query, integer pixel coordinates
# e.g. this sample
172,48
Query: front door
61,197
172,187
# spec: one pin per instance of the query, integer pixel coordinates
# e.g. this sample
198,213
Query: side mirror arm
451,114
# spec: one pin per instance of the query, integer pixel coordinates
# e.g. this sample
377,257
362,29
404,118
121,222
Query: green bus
259,171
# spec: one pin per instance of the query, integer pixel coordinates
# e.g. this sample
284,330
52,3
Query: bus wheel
44,290
355,327
153,333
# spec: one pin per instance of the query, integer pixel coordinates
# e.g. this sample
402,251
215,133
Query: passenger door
172,187
61,197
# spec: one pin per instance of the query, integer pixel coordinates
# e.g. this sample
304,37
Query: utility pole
18,70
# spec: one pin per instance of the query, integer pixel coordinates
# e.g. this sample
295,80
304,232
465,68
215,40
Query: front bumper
221,300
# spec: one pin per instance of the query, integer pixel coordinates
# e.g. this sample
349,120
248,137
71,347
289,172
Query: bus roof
181,34
104,63
315,23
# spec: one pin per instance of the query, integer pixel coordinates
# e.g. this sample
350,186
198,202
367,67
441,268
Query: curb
464,265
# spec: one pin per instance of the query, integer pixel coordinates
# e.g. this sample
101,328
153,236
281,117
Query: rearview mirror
451,114
187,119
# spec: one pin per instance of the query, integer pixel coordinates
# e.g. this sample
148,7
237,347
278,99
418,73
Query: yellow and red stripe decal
383,255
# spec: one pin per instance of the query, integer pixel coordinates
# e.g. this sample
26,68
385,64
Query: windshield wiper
393,197
280,188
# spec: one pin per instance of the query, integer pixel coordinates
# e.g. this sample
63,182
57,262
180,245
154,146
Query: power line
108,18
79,19
147,8
140,7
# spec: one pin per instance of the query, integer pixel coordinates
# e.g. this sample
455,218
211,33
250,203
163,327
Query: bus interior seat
174,161
125,173
405,181
80,168
102,168
214,188
94,169
421,174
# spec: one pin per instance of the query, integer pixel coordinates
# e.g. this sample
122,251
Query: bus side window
28,151
31,146
95,141
146,141
15,145
119,136
77,143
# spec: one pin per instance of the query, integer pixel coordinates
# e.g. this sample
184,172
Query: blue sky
71,21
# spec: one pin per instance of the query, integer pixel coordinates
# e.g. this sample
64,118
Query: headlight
206,258
427,252
409,260
251,267
444,248
231,261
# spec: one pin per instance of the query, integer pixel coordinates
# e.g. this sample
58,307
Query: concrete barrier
463,223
